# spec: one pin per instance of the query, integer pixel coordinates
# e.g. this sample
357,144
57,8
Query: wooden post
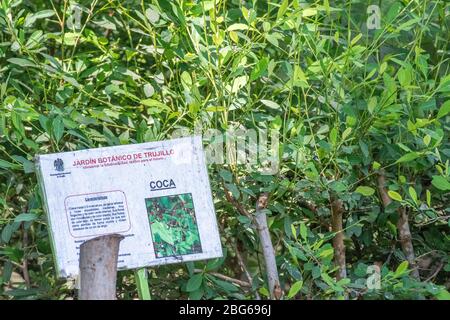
98,267
268,251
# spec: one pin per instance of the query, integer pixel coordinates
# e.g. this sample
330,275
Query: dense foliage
354,107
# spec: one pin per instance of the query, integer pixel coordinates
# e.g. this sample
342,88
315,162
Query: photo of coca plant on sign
173,225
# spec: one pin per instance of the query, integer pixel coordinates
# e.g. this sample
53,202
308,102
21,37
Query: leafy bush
357,110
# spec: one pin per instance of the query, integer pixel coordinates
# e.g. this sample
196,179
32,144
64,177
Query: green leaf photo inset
173,225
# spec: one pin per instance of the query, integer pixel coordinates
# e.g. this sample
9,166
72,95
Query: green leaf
328,280
237,26
444,85
393,12
124,137
194,282
444,110
233,189
234,36
8,165
443,295
270,104
155,103
24,217
72,38
58,128
196,295
228,287
72,81
333,136
404,77
303,231
294,231
7,232
413,194
148,90
427,139
346,133
401,269
178,12
22,62
326,253
408,24
365,191
295,288
152,15
376,165
395,195
238,83
259,69
226,175
186,79
299,79
308,12
408,157
16,119
264,291
356,39
7,271
441,183
371,105
338,186
282,9
104,23
392,228
30,19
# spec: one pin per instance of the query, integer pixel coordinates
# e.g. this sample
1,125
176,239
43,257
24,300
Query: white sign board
156,194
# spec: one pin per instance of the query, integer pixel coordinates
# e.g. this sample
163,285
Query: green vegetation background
348,103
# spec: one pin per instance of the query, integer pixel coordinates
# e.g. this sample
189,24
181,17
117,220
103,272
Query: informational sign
157,195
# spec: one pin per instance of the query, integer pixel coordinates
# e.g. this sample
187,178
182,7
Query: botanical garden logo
59,165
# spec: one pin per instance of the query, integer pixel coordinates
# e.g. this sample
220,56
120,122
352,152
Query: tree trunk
268,251
337,210
405,238
260,220
404,233
98,267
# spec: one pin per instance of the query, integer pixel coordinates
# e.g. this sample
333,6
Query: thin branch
236,204
244,268
226,278
435,273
